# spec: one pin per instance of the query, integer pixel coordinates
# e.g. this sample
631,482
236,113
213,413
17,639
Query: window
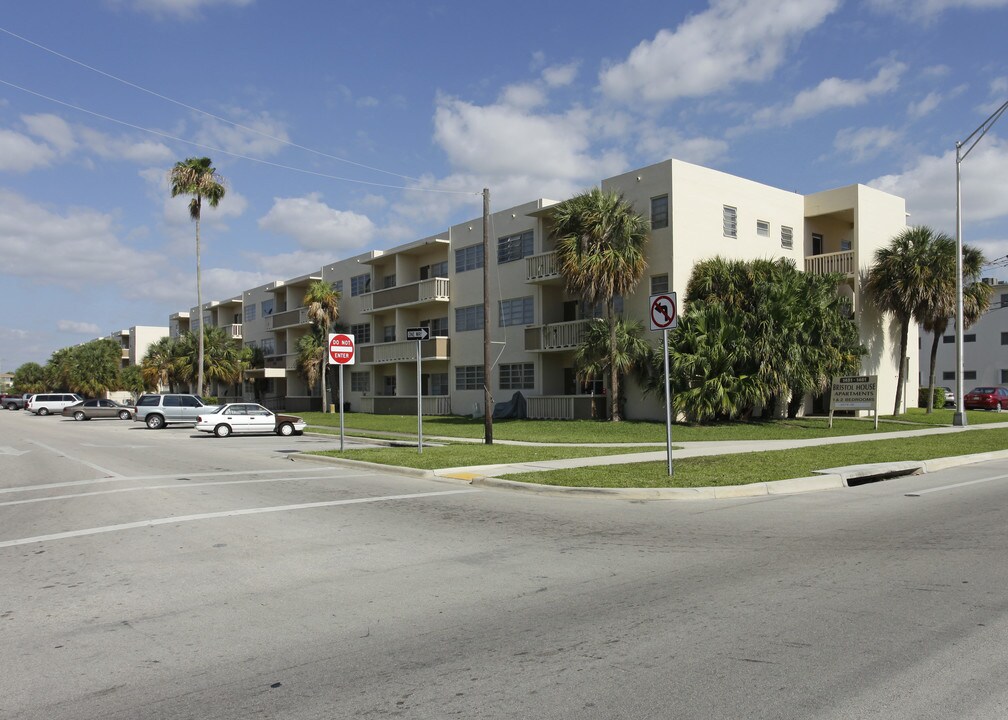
469,377
762,228
468,258
361,332
1004,300
817,244
845,245
659,212
267,307
388,333
360,382
438,326
337,286
469,318
388,384
969,375
251,344
730,221
659,284
1004,376
267,346
360,284
434,270
518,376
948,339
389,281
948,375
786,237
514,247
250,313
969,337
517,311
437,384
1004,338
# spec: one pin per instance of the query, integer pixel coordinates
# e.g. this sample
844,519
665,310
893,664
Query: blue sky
342,127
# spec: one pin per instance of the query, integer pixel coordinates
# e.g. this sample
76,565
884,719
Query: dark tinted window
91,403
149,400
190,401
172,401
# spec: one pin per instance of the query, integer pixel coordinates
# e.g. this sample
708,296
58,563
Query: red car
987,398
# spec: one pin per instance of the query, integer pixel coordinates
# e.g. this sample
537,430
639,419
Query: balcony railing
287,362
555,336
541,267
416,293
838,262
405,404
565,407
290,318
437,348
236,331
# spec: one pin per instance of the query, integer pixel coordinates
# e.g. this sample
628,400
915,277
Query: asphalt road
157,574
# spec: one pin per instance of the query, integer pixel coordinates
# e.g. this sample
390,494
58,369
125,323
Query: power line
204,112
228,152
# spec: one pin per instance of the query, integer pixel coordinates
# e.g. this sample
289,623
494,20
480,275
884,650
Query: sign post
854,392
664,316
341,352
419,334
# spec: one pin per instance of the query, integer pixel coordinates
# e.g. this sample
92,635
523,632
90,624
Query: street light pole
959,419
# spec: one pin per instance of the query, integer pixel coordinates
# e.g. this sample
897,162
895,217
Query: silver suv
158,411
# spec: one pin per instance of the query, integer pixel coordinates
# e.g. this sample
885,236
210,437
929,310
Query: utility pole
487,379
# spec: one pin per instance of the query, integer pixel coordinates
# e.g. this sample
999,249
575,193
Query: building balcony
542,268
291,318
432,290
437,348
236,331
555,337
839,262
285,362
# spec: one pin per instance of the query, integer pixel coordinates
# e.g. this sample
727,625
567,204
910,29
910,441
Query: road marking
957,485
99,468
222,514
175,486
119,478
7,450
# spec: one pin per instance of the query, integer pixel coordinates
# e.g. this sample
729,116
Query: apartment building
985,347
437,282
135,341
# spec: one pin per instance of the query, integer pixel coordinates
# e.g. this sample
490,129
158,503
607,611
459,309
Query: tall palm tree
898,283
199,178
159,366
310,354
600,242
595,354
939,305
322,301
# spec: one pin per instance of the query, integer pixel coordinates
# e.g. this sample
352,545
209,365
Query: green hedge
937,400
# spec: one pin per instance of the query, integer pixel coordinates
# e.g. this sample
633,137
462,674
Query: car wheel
43,411
285,429
155,422
124,415
79,415
11,406
222,430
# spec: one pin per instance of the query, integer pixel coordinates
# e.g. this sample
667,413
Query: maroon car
987,398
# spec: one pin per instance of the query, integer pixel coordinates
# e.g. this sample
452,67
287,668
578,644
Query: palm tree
222,358
197,177
159,365
322,301
310,354
600,241
898,284
595,353
939,305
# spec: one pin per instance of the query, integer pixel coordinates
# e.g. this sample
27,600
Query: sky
343,127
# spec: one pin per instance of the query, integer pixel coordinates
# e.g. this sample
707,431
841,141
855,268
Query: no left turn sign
341,349
663,311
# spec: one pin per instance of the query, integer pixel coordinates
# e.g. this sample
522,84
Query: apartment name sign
854,392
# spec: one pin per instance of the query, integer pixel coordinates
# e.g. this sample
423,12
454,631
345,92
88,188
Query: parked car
248,418
14,402
987,398
49,403
157,411
949,397
90,409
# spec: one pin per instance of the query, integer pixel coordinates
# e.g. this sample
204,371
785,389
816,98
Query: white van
51,403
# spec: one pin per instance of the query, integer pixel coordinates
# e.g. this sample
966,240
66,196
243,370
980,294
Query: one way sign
418,333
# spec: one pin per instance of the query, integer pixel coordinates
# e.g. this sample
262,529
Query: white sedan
248,418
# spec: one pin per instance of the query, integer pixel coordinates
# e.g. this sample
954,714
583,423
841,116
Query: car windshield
984,391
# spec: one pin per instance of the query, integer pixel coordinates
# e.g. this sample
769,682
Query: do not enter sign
341,349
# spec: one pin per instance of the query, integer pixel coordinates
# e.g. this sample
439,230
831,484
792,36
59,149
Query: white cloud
929,186
658,142
124,148
81,328
560,75
53,129
19,153
260,135
833,93
316,226
864,143
925,106
178,8
715,49
928,10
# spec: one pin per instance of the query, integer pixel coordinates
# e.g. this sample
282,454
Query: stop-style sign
341,349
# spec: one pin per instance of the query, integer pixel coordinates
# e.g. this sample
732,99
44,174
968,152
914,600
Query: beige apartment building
437,283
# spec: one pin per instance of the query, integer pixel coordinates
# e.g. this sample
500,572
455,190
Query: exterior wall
142,337
178,325
985,348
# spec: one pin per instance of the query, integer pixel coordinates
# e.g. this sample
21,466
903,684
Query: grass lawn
747,468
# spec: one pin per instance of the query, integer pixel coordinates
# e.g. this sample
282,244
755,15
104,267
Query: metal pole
959,418
419,402
341,407
668,404
487,400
